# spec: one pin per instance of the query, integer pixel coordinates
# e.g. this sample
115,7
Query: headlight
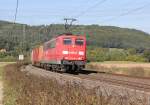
65,52
81,53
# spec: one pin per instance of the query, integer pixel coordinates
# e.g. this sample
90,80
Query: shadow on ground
87,72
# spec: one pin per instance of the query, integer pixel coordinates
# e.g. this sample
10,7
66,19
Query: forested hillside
16,38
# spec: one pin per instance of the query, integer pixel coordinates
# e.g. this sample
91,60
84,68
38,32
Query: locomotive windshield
67,41
79,42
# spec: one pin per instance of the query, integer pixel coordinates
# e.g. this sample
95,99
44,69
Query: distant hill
24,37
115,37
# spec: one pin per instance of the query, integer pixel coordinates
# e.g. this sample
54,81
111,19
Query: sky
123,13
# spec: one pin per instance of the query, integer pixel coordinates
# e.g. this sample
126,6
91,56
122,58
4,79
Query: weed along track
135,83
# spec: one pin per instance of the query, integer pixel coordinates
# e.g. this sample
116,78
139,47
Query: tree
147,54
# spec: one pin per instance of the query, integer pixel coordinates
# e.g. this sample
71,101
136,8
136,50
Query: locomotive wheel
75,68
63,69
50,68
45,66
72,69
41,65
78,69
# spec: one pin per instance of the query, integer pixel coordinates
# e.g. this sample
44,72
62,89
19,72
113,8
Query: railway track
136,83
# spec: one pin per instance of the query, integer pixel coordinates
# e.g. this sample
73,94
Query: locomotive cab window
67,41
79,42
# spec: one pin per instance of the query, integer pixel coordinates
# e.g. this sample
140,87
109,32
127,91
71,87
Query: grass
8,92
1,72
120,62
10,96
128,68
25,89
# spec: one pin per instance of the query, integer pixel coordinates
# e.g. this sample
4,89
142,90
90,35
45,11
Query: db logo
72,52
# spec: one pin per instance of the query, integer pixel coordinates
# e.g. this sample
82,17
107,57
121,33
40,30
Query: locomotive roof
67,34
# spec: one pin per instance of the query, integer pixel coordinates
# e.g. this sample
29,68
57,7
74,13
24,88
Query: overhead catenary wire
89,8
120,15
115,17
127,13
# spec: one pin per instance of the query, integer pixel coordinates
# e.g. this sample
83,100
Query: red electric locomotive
65,53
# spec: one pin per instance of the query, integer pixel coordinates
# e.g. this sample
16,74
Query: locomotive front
73,49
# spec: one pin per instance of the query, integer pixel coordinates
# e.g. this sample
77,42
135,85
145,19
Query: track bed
136,83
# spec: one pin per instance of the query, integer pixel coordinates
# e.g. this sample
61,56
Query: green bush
147,54
136,58
96,54
2,54
8,59
116,55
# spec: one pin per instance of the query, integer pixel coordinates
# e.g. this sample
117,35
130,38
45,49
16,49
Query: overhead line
88,9
128,12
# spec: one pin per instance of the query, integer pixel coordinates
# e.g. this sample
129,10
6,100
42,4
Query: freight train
65,53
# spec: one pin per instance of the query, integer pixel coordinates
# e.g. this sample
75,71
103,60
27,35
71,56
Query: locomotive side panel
50,52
